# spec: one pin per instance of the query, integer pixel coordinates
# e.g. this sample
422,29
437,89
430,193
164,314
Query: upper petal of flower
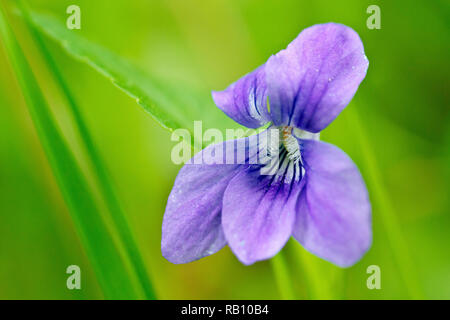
333,212
245,101
192,221
258,215
315,77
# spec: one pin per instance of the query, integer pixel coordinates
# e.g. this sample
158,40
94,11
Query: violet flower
317,194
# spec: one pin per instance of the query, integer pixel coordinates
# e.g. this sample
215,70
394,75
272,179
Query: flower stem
281,273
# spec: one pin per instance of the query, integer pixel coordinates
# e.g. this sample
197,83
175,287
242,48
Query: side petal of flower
315,77
258,215
333,212
245,101
192,221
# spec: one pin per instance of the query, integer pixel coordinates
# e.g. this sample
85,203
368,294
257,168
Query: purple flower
317,194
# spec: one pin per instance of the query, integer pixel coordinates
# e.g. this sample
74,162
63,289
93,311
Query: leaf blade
100,247
121,225
172,105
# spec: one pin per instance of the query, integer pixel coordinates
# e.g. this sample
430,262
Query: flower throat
290,143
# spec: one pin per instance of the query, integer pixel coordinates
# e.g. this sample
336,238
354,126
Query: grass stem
281,273
104,182
398,245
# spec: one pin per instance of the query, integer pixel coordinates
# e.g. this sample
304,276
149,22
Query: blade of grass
399,248
281,273
172,105
104,182
316,280
102,252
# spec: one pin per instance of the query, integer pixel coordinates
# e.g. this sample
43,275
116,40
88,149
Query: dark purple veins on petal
245,101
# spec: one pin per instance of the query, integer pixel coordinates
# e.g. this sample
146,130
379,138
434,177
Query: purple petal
245,101
333,212
258,215
311,81
192,221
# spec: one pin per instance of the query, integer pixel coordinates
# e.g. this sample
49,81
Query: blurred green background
396,129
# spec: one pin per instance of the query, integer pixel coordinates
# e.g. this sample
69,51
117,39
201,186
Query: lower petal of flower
258,214
192,221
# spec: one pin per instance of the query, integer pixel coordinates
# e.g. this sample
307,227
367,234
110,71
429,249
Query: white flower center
290,158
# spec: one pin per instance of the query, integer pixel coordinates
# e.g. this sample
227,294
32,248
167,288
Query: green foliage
172,105
110,268
100,172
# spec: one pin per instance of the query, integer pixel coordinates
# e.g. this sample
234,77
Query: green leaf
108,265
173,105
100,172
